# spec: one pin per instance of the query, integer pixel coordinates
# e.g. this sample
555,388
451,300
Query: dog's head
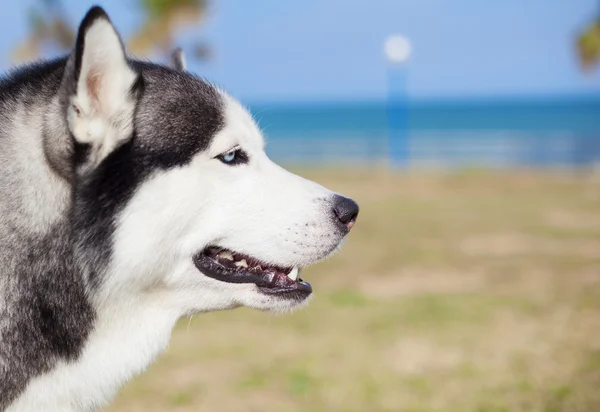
173,191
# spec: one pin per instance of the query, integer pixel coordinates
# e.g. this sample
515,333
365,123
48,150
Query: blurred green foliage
165,7
588,45
50,27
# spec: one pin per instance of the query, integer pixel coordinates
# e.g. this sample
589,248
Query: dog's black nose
345,209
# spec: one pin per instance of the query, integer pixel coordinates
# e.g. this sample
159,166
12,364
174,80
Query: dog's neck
126,339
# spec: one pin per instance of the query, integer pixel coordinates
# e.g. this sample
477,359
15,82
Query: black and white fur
111,181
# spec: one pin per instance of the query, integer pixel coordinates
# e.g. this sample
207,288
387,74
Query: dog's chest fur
125,339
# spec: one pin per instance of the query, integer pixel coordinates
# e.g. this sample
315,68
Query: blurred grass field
470,291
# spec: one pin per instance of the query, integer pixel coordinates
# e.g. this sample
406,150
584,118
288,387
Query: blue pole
399,141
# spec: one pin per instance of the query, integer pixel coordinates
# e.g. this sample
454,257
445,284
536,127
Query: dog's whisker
189,323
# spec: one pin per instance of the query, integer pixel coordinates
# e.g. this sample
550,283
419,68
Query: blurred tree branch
49,25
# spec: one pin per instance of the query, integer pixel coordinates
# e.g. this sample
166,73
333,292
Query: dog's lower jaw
127,337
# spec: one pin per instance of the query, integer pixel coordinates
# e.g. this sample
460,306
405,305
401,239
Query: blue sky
309,50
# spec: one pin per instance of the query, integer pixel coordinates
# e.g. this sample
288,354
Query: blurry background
469,132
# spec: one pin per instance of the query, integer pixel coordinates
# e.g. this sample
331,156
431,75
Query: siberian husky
133,194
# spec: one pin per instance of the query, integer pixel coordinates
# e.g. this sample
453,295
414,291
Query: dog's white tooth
226,255
242,263
293,274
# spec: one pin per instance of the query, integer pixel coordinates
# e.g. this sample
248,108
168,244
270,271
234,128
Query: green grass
300,383
348,299
465,292
181,398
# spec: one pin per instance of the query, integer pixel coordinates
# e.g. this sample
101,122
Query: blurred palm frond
48,25
588,45
162,20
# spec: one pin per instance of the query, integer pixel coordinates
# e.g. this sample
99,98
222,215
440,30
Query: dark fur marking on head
185,114
32,81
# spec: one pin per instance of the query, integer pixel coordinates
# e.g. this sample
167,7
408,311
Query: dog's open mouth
228,266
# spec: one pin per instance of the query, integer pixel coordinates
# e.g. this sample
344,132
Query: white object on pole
397,48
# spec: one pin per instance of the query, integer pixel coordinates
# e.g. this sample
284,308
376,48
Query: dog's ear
178,60
99,86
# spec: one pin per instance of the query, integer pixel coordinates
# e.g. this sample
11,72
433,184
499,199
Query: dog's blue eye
234,157
229,157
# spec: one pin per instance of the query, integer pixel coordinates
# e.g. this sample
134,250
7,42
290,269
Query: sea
561,132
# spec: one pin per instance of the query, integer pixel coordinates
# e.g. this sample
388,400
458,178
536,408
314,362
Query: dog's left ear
178,60
99,86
